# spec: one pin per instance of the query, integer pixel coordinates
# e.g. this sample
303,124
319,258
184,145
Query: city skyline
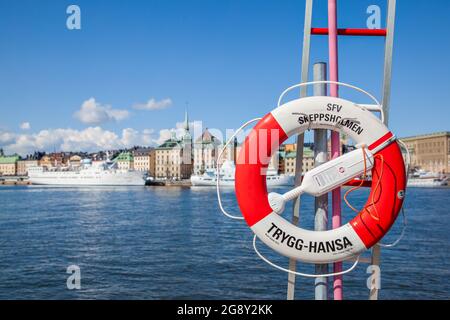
125,78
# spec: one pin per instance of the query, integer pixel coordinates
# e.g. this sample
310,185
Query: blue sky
228,59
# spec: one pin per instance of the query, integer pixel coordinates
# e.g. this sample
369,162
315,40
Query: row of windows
305,161
292,170
141,169
176,170
431,162
200,156
7,169
436,146
431,144
178,161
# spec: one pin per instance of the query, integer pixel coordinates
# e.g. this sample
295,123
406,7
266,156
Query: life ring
367,227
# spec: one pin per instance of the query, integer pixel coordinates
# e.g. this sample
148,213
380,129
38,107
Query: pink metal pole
335,139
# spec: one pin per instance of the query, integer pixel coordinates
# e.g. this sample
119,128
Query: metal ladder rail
388,33
300,138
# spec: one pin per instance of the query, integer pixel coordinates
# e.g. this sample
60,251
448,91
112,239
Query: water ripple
172,243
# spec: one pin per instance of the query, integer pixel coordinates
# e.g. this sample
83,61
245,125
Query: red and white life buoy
367,227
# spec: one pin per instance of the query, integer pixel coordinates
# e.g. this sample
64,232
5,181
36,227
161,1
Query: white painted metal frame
301,137
387,76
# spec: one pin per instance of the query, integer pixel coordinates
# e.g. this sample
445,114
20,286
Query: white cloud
92,112
130,137
147,137
164,135
89,139
7,137
25,126
153,104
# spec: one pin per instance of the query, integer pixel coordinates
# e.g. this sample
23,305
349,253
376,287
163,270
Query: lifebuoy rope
219,157
301,274
402,233
408,160
360,184
376,188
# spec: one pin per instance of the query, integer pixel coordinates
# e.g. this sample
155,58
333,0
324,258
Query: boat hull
272,181
101,179
426,183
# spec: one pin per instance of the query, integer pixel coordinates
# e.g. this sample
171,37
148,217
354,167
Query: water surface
173,243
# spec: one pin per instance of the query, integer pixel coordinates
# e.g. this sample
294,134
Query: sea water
173,243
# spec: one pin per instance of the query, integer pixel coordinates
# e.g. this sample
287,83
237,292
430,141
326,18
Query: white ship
104,173
427,179
209,178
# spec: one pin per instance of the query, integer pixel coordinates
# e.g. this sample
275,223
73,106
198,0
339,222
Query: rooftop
307,153
207,138
170,144
124,156
428,135
9,159
142,151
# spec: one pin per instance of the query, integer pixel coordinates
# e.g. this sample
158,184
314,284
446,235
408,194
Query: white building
125,161
206,151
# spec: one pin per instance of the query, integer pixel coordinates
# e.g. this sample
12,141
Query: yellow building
23,165
144,160
288,161
21,168
8,165
46,161
75,161
290,147
430,152
170,160
174,158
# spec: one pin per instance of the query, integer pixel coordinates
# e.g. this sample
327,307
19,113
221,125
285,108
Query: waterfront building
281,162
75,161
46,161
125,161
231,152
21,168
144,160
430,152
59,159
56,159
289,147
206,151
274,163
8,165
287,161
24,164
173,158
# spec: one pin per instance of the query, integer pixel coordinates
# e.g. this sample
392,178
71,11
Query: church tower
187,161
